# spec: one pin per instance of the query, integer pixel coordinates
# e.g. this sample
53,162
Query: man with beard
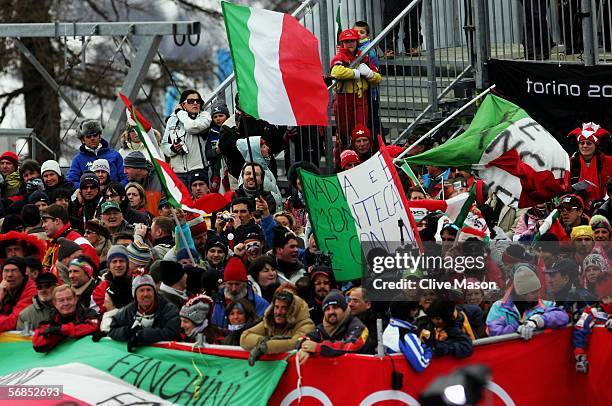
117,261
148,319
216,253
338,334
235,287
582,242
284,323
285,251
522,311
42,304
70,319
321,278
251,188
16,292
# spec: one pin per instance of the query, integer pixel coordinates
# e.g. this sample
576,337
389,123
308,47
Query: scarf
13,180
589,172
169,289
235,327
198,329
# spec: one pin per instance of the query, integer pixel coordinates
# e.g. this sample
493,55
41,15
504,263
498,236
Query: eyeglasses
567,209
193,101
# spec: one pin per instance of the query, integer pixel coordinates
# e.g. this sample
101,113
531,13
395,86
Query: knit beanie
83,265
335,298
30,215
38,196
117,251
18,262
581,231
360,131
281,235
348,156
171,272
12,222
197,309
599,221
235,271
100,165
11,157
142,280
595,260
89,178
139,254
220,108
135,159
51,165
66,248
525,280
211,280
216,242
197,226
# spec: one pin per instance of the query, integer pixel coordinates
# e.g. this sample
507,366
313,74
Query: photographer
184,141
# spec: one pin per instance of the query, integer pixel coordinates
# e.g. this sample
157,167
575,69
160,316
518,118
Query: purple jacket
504,317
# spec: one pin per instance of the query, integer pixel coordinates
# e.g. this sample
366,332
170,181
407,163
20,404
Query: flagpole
182,235
436,128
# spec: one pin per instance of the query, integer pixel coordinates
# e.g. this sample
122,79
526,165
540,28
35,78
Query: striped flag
453,207
552,225
411,175
338,21
277,65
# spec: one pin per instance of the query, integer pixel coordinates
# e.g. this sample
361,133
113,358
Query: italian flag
552,225
175,191
277,65
455,208
521,162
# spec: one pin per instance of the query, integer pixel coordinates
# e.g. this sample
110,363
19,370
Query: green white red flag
277,66
521,162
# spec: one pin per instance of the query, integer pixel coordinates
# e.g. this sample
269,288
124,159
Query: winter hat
336,298
171,272
197,226
442,308
211,280
135,159
525,280
11,157
142,280
89,127
116,251
591,132
197,309
598,221
198,174
220,108
12,222
235,271
66,248
18,262
119,290
100,165
38,196
348,156
292,174
515,253
30,215
581,231
139,254
155,270
51,165
46,277
84,265
281,235
89,178
98,227
216,242
360,131
595,260
184,254
33,262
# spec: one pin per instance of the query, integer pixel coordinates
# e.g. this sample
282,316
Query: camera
225,217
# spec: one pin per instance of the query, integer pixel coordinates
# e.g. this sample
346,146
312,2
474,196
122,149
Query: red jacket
53,249
9,310
79,325
98,295
31,244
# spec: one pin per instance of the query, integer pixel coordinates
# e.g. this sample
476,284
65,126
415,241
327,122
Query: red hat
10,156
349,34
590,131
348,156
235,271
197,226
360,131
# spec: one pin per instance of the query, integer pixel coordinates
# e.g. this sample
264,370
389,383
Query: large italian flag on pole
277,66
521,162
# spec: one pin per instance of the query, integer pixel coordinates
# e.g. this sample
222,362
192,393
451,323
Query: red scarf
590,173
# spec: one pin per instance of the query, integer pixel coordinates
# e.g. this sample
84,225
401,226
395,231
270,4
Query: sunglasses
567,209
193,101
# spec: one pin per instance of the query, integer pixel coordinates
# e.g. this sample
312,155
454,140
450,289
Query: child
599,314
220,114
451,333
350,103
374,123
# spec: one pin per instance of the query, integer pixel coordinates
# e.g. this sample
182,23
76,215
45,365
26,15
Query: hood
33,245
255,143
298,311
103,147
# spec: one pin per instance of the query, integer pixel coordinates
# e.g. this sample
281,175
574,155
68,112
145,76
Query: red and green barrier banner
105,373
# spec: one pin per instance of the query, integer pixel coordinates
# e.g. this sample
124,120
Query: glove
257,352
582,364
135,338
526,330
609,324
97,336
365,71
538,320
52,331
357,73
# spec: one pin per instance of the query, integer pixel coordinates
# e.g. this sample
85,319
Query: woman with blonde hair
287,220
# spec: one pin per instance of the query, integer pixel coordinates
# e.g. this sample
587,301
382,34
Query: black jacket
166,327
350,336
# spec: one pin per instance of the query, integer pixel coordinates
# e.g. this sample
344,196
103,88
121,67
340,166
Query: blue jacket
219,318
400,336
83,160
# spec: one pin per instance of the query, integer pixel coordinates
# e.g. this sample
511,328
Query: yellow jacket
346,82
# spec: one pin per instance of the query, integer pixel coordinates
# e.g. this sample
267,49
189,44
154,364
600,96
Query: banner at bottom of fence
541,371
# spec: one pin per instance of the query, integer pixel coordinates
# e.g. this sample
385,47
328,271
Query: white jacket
182,127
